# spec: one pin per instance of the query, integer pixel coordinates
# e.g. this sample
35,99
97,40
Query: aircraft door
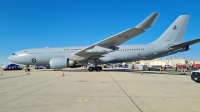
152,52
48,54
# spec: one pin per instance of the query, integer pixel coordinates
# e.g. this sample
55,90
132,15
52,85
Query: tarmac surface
111,90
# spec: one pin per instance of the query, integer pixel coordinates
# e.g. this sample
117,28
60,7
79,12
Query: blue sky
48,23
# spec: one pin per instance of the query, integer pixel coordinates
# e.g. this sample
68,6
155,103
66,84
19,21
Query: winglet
148,22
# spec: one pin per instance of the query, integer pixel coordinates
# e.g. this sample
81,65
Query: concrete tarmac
111,90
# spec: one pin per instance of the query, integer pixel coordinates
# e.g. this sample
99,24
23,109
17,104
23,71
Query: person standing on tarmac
160,69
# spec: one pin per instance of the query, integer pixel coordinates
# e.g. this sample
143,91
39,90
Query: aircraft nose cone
10,58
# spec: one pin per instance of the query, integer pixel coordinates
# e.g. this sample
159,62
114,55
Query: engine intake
58,63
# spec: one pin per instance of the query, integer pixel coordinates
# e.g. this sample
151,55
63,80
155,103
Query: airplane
110,49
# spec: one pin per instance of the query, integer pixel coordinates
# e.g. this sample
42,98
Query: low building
196,62
171,62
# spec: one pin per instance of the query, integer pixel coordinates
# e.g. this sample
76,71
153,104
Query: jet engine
187,48
58,63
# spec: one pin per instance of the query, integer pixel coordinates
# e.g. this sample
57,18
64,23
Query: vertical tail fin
175,32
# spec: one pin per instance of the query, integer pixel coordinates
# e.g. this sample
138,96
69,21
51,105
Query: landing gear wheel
98,68
91,69
27,68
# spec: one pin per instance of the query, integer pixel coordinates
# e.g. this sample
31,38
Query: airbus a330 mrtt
110,49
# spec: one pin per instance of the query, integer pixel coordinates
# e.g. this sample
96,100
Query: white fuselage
125,53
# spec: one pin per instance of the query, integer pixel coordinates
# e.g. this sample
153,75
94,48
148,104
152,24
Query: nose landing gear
27,68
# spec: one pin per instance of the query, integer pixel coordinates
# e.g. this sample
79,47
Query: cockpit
15,54
17,57
19,53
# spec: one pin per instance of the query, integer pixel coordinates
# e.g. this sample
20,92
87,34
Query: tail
175,32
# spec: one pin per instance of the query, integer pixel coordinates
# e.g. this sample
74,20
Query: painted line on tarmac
15,76
30,85
125,93
21,96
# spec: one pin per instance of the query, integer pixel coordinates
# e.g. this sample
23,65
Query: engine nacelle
187,48
58,63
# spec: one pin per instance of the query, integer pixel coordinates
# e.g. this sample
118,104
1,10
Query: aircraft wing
185,44
117,39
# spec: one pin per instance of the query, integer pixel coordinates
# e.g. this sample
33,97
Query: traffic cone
181,73
141,73
63,74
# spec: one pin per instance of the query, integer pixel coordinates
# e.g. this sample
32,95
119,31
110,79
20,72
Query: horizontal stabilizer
185,44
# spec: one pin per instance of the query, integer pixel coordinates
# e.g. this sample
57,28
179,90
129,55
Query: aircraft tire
90,69
98,69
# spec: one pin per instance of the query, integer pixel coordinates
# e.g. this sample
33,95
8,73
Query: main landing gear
95,68
93,65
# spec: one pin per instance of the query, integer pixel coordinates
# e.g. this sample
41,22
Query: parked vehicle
42,67
145,67
195,76
168,66
181,67
12,67
195,67
138,67
156,67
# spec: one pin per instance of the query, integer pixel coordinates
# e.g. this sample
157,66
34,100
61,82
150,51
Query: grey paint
125,53
172,36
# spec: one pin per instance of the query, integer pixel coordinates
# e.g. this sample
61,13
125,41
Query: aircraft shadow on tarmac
171,72
15,76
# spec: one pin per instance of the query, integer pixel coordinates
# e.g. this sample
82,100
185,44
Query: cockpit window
13,54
